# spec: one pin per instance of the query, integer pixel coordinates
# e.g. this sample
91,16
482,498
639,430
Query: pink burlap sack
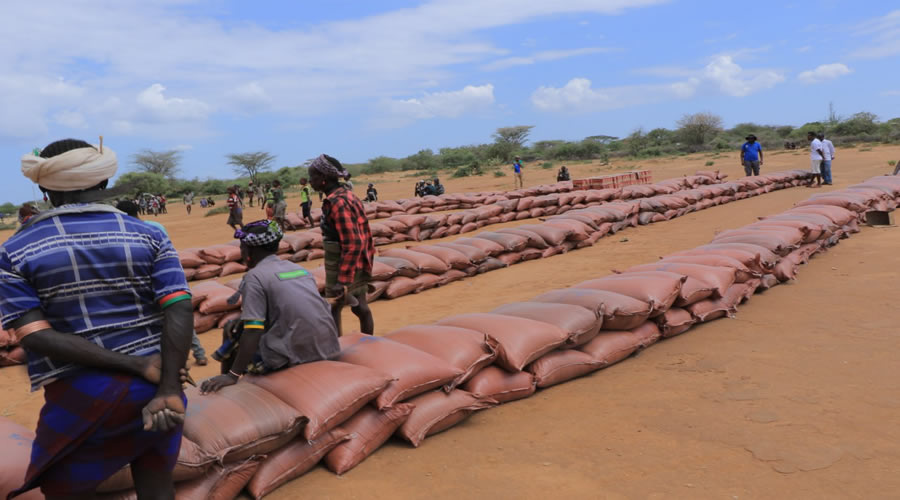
368,430
233,268
520,340
475,255
492,264
619,312
534,240
500,385
742,272
413,371
557,367
466,350
766,258
449,256
206,322
489,247
510,258
220,254
424,262
427,281
190,258
292,461
509,242
217,296
239,421
400,286
402,267
657,288
613,346
579,323
437,411
326,392
675,322
703,280
207,271
552,235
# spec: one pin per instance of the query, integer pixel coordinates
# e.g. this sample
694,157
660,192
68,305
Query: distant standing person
816,156
828,149
751,156
563,174
371,193
306,201
189,201
517,169
235,209
260,194
276,201
349,248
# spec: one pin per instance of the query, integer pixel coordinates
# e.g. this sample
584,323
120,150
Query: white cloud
547,55
891,93
451,104
824,72
183,147
307,70
172,109
884,33
71,119
721,75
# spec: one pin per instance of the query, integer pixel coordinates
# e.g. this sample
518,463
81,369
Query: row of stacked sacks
423,379
398,271
669,197
11,353
440,203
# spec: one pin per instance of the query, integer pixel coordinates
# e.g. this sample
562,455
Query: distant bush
499,173
547,165
462,172
216,211
710,163
892,162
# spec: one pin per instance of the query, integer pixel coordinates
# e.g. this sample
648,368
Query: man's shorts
816,166
307,209
280,208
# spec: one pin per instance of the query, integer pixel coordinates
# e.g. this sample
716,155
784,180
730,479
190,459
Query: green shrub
499,173
547,165
892,162
217,211
710,163
865,149
462,172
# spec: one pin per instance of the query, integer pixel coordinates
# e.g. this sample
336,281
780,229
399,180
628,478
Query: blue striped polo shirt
94,272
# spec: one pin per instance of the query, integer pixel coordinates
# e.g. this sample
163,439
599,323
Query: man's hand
163,413
216,383
230,327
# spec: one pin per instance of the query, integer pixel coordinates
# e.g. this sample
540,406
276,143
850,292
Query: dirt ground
798,397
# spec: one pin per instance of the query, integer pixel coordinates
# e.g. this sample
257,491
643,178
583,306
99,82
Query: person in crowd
142,204
277,204
428,190
235,209
349,248
563,174
196,347
751,156
260,193
251,193
108,357
306,201
896,168
154,205
517,170
240,193
189,201
828,151
371,193
203,203
438,187
284,321
816,156
420,188
210,201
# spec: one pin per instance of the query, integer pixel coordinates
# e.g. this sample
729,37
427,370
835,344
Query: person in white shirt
828,149
816,156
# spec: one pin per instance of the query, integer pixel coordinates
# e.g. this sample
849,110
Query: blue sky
359,79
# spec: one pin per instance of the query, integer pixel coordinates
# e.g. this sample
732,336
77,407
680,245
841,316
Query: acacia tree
164,163
509,139
251,164
698,128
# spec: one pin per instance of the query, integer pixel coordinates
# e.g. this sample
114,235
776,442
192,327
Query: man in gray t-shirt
284,322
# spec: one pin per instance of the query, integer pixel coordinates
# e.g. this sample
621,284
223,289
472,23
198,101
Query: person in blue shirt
751,156
517,168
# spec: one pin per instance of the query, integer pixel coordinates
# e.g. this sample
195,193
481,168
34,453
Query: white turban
74,170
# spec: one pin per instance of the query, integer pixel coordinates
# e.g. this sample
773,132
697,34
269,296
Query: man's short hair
129,207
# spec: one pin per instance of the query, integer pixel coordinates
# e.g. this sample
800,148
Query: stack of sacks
211,305
416,222
423,379
11,353
398,272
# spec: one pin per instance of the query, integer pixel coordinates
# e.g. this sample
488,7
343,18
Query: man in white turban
100,303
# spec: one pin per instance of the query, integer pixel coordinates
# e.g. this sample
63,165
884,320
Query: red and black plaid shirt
344,220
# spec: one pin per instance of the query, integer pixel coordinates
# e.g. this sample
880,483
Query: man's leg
366,319
826,171
336,315
198,350
748,171
755,168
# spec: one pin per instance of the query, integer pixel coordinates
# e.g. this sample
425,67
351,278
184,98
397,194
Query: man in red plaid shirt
349,249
